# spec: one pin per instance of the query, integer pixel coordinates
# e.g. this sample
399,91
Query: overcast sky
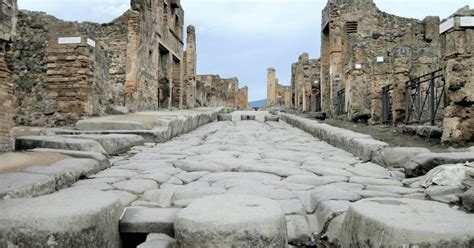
244,37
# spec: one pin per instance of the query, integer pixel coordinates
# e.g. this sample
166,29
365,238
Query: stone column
457,40
401,69
190,68
8,13
271,86
132,67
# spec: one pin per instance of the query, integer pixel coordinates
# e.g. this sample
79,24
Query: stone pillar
76,80
271,86
401,69
8,13
244,98
190,68
457,40
132,68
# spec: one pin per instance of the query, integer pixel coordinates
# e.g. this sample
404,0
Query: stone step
39,180
101,124
58,142
113,144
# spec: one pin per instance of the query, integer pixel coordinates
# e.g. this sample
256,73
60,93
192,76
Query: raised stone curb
167,127
99,157
69,218
272,118
361,145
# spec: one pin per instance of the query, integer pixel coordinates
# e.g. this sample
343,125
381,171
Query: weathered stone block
67,218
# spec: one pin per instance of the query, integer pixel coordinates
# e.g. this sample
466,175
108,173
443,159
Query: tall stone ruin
8,12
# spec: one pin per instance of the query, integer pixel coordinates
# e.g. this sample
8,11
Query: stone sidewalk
315,184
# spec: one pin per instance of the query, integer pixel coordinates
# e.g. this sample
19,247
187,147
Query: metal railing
423,94
341,102
387,101
318,102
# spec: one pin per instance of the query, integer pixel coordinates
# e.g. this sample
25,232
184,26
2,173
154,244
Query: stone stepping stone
158,240
69,218
148,220
272,118
394,222
231,221
58,142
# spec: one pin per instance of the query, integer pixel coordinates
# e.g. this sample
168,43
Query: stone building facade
305,79
65,71
8,12
364,49
277,95
214,91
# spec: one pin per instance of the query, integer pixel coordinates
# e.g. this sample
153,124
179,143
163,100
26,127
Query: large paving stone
136,186
315,180
113,144
158,240
365,148
148,220
448,175
397,157
19,185
67,172
423,163
70,218
231,221
283,171
95,125
395,222
57,142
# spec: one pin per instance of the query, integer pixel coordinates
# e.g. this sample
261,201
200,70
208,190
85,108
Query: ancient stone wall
214,91
8,19
457,42
305,83
365,49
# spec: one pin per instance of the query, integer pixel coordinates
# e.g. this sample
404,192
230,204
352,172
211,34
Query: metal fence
387,101
341,102
423,98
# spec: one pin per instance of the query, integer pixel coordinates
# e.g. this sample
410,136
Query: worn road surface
313,181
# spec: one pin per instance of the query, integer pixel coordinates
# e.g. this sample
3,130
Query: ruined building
213,91
305,78
386,69
61,72
277,94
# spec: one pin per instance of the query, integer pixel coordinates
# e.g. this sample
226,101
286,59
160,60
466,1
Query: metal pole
432,99
407,102
418,101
